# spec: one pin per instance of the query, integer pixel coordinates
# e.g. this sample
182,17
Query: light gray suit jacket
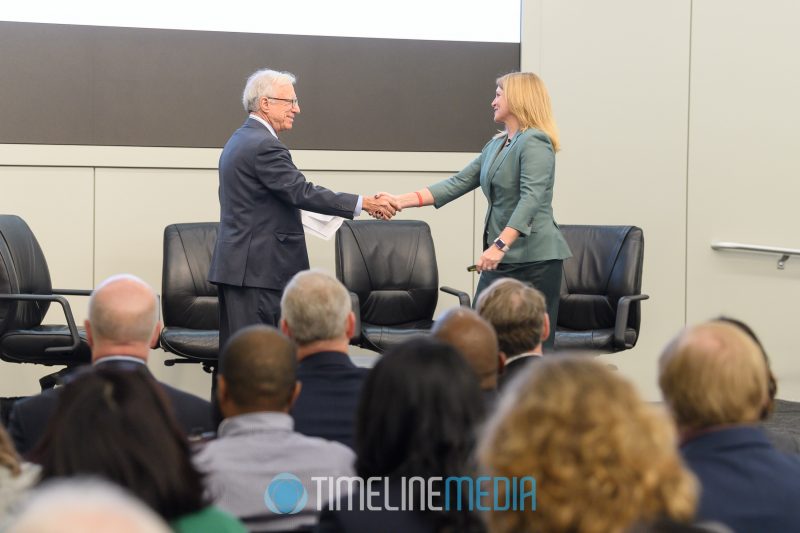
518,183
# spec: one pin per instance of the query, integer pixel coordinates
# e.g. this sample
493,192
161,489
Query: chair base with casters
601,289
25,297
189,302
390,269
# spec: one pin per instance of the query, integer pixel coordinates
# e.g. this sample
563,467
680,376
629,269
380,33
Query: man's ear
156,334
284,327
546,328
89,337
295,393
222,390
350,328
501,362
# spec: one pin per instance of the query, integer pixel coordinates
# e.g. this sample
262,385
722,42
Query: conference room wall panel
618,75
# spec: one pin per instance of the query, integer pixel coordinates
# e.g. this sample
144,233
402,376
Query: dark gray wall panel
138,87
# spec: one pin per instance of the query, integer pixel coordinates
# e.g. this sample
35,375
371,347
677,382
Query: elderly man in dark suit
317,314
261,243
123,324
714,380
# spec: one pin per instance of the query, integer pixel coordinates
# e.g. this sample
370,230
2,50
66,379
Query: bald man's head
258,366
123,310
475,338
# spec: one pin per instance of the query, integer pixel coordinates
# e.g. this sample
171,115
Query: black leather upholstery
24,272
189,301
391,268
601,289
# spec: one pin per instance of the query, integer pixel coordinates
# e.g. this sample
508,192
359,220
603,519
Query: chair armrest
73,292
623,309
73,329
356,304
463,297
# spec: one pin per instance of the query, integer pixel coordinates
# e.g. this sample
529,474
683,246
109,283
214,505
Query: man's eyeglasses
291,101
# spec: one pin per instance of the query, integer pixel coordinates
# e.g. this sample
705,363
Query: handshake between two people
382,206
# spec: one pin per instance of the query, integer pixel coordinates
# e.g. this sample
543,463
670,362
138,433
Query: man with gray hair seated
123,325
256,387
316,312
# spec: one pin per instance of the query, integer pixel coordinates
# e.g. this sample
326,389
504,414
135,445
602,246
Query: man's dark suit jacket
29,417
261,242
514,368
326,407
746,483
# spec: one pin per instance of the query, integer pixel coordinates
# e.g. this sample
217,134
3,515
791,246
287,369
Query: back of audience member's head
115,424
602,458
316,307
257,371
517,312
84,506
713,374
123,310
772,383
418,414
9,459
474,338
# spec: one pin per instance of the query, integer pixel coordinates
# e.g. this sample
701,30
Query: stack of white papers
322,226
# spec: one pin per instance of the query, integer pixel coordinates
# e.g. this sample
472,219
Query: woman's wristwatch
501,245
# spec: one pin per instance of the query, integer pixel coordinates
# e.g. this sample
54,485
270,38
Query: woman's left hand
490,258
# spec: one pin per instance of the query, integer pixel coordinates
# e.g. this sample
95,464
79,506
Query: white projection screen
408,76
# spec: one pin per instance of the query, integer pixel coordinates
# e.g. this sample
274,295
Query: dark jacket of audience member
715,381
116,425
417,416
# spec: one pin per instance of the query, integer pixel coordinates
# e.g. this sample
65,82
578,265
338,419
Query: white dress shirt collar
265,123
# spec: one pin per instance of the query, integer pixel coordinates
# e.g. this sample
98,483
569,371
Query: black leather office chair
188,300
25,296
391,269
601,289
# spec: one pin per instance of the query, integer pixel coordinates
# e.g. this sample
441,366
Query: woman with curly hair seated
604,460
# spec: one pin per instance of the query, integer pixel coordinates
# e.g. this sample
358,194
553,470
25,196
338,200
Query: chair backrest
391,266
187,298
606,264
23,269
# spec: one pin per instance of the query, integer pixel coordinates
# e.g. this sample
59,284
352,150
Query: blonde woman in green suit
516,171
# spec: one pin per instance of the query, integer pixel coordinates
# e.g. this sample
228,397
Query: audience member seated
316,312
417,416
475,339
256,441
123,324
604,461
715,381
16,477
778,434
518,314
84,506
115,424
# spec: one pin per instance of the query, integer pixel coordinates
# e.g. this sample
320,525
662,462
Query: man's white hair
261,83
315,306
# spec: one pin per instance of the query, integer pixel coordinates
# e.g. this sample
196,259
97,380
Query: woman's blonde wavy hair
529,101
602,458
8,455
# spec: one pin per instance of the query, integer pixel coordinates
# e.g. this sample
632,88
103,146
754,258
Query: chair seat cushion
594,339
196,344
381,338
28,346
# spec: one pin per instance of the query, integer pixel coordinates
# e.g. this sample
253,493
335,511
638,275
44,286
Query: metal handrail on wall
785,253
